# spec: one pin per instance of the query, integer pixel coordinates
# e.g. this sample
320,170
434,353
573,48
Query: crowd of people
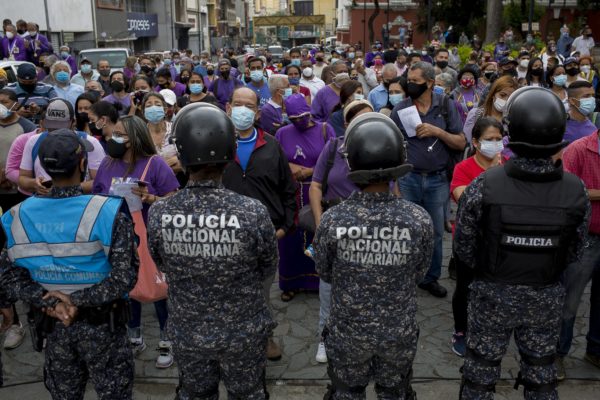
291,120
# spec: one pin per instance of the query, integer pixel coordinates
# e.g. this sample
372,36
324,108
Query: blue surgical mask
295,61
359,96
491,148
64,54
196,88
439,89
560,80
294,81
62,76
396,98
154,114
167,61
351,55
86,68
256,76
242,117
287,92
333,59
587,105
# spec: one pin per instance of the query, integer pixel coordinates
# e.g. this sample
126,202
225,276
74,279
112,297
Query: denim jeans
430,192
575,279
324,304
136,317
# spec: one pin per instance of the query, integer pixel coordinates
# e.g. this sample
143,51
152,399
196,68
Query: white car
10,67
116,57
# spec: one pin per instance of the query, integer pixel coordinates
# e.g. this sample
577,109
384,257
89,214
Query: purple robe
73,64
271,118
16,47
371,56
324,102
34,51
225,89
296,270
179,89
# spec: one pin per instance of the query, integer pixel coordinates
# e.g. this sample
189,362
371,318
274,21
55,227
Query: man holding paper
432,128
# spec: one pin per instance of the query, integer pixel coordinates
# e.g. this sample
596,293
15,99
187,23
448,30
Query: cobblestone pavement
298,376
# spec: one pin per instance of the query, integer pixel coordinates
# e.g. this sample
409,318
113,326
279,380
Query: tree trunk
493,20
374,15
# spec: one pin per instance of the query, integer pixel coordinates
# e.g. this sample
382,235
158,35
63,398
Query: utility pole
428,19
531,7
49,30
94,23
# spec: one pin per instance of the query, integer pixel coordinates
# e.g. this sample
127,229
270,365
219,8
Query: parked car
10,67
115,56
276,53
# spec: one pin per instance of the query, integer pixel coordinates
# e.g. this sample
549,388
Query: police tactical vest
62,241
529,222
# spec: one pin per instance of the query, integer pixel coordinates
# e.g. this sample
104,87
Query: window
138,5
111,4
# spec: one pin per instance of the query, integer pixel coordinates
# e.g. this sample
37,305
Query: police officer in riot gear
519,225
74,256
374,248
216,248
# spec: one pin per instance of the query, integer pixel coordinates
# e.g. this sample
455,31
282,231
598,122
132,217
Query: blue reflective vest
62,241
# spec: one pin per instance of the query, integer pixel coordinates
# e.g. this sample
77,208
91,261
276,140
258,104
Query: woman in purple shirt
302,143
328,97
131,152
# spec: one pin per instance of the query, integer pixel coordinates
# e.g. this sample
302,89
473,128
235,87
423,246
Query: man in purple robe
36,44
13,45
65,54
225,84
329,96
271,114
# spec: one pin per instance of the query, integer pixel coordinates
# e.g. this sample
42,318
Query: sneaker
273,350
459,345
559,363
321,356
592,359
165,354
138,345
14,337
309,252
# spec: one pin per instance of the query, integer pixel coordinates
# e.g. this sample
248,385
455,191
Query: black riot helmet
204,135
375,151
536,120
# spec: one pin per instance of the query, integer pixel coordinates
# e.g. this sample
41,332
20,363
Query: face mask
225,74
560,80
82,119
287,92
573,71
95,93
210,71
294,81
295,61
64,55
95,129
302,123
467,83
256,76
137,68
499,104
359,96
537,72
587,105
334,60
196,88
491,148
28,87
117,86
104,72
242,117
439,89
167,61
62,76
32,33
307,72
196,62
178,68
442,64
319,59
351,55
10,35
154,114
396,98
552,49
378,62
146,69
4,112
116,147
184,79
586,69
488,74
86,68
524,63
415,90
339,79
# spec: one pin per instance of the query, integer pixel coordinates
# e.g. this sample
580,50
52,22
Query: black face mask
184,79
146,69
415,90
537,72
488,75
225,74
21,31
94,129
95,93
572,71
319,59
28,87
117,86
442,64
116,150
210,72
104,72
165,85
82,119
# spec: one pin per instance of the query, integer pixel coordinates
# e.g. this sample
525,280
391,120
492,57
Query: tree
493,21
463,15
370,22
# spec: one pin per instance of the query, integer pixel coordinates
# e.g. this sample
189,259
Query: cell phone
142,184
47,184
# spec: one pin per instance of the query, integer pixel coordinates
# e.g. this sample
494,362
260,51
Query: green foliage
463,15
513,17
490,47
464,52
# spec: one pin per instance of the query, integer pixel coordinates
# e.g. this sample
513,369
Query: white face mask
491,148
10,35
499,104
524,63
307,72
585,69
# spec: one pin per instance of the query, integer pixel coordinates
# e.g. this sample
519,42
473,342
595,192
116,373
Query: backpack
36,147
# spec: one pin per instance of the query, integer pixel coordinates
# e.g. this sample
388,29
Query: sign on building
142,24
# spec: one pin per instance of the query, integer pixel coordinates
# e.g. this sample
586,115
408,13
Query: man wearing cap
36,44
86,73
65,54
165,81
572,69
12,46
171,100
33,95
73,256
32,176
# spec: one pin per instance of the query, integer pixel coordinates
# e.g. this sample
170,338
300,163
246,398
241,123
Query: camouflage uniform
216,248
497,309
84,350
374,249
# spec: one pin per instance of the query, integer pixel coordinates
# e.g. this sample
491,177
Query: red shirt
582,159
464,173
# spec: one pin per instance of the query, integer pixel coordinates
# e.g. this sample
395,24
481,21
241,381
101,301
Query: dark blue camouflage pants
354,360
241,367
84,351
495,313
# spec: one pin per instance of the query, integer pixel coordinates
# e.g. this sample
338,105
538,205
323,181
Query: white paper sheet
123,189
410,120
